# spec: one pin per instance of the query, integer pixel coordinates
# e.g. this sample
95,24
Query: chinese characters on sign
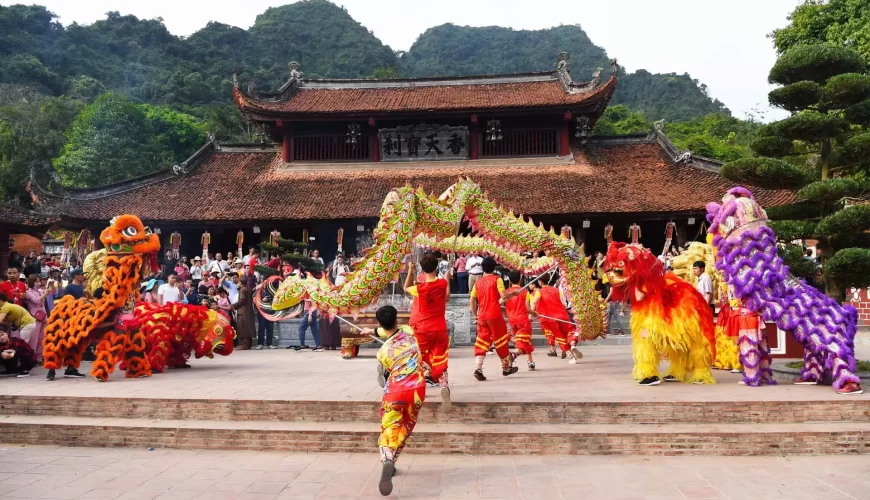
423,142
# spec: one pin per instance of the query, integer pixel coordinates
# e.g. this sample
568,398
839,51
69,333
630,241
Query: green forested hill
463,50
141,59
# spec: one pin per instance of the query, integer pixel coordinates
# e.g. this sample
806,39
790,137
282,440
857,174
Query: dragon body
668,317
747,257
407,214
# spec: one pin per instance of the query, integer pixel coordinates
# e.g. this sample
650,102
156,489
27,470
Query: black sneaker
670,378
564,355
650,381
430,382
552,353
513,370
72,373
478,374
50,376
317,349
23,374
532,366
385,486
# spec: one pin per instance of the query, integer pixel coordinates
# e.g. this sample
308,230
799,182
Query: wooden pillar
374,146
287,146
474,138
565,136
4,250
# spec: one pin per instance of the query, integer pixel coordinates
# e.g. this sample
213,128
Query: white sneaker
259,347
576,352
272,347
572,361
735,370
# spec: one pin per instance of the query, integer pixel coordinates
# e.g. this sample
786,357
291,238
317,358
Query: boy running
404,390
548,302
485,306
431,295
518,316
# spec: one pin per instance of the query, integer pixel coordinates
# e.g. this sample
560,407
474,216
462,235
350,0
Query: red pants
491,331
523,337
433,350
398,417
562,333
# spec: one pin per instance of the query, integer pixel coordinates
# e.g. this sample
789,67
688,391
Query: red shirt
415,305
487,290
431,302
550,304
15,294
516,307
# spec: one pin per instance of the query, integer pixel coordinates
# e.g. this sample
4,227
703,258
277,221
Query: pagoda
331,150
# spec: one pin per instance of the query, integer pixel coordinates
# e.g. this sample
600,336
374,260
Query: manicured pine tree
822,149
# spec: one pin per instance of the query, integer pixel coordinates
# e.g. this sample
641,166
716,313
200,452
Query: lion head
215,337
127,234
738,209
629,265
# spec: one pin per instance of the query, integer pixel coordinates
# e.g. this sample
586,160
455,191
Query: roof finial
562,61
252,86
614,67
659,125
295,70
235,79
596,77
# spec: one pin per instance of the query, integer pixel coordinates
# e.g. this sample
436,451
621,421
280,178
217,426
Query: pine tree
823,148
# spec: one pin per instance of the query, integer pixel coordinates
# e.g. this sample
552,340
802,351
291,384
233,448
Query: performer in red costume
431,295
548,302
485,306
517,308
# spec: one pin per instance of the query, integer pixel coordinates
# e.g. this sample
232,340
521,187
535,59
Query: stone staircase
631,428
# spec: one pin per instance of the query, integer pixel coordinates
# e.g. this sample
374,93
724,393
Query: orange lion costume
75,324
669,318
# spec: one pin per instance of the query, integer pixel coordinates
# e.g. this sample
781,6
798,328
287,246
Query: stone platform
279,400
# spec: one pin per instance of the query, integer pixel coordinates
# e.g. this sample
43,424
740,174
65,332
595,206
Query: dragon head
126,234
631,266
215,337
738,209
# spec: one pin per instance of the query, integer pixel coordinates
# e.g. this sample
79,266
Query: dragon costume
747,256
727,357
669,318
406,214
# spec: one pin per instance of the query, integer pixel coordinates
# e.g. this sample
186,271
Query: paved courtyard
135,474
604,375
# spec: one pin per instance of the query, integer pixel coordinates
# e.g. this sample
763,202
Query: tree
620,120
111,140
179,133
31,134
825,139
839,22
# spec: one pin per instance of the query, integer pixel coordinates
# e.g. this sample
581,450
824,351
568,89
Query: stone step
432,438
503,412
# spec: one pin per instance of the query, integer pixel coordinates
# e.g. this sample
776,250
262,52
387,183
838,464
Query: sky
722,44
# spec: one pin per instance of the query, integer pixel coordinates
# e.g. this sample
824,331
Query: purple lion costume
747,257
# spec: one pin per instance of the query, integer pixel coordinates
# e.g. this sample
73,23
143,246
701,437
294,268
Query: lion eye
148,231
130,232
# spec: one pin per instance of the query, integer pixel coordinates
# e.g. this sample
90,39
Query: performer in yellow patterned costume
401,370
727,356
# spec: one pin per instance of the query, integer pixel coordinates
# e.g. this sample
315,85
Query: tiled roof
236,186
531,94
17,216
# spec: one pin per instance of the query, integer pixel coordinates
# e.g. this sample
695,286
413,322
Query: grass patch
862,366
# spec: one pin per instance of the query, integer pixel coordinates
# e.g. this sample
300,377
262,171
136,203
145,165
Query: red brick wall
860,299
